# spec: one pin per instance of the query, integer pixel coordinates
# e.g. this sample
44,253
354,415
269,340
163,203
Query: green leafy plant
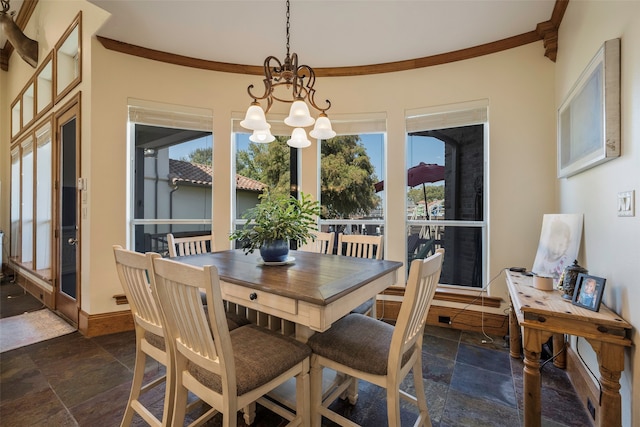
278,217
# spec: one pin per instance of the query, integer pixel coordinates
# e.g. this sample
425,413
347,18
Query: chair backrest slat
205,341
360,246
421,287
181,246
322,243
133,271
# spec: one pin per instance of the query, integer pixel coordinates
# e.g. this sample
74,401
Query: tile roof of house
198,174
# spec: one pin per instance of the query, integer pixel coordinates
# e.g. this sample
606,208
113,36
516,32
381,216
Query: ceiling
324,33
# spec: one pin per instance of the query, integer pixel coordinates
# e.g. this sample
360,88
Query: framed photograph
588,292
589,118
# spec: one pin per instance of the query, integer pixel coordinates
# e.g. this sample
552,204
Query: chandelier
291,83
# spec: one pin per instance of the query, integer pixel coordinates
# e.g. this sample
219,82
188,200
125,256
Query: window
26,252
44,208
259,166
31,202
170,173
446,191
15,205
351,175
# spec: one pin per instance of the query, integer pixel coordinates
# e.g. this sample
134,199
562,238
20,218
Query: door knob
72,241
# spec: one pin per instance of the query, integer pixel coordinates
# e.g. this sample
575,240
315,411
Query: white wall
611,247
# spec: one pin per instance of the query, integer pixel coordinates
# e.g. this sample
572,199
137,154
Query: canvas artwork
559,244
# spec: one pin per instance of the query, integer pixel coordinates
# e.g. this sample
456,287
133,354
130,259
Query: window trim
453,116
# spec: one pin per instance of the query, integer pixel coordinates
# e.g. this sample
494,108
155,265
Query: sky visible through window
419,149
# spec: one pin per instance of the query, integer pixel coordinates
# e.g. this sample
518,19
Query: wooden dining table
312,291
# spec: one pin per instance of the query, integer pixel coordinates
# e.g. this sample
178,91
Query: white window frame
451,116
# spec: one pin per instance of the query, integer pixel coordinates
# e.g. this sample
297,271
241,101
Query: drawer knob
253,296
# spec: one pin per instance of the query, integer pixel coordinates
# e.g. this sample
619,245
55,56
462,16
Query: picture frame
589,118
588,291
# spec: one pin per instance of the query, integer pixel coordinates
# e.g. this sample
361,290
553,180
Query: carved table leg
533,340
611,362
514,335
560,360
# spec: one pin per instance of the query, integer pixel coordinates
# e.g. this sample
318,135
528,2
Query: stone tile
484,358
32,409
436,393
436,368
76,386
440,347
104,409
121,346
442,332
493,342
19,377
492,386
462,410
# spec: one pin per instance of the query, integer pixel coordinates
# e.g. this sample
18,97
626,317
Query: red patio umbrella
420,174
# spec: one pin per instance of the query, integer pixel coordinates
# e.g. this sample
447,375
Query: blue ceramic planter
275,251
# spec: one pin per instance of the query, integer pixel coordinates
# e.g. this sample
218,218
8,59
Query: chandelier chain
288,27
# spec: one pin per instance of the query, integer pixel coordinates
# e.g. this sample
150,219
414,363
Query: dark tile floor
75,381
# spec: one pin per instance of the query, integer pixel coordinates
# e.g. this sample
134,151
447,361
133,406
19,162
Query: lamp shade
299,116
255,119
322,129
299,139
262,136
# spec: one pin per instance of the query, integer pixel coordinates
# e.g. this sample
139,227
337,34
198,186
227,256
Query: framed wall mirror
68,59
44,85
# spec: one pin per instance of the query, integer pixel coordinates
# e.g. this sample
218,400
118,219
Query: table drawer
258,300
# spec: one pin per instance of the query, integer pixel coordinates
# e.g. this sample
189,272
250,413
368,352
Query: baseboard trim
582,383
93,325
465,320
37,291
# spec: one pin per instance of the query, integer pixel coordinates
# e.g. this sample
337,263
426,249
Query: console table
543,314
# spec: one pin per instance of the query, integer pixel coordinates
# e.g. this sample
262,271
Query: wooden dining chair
134,270
181,246
361,246
227,370
322,243
374,351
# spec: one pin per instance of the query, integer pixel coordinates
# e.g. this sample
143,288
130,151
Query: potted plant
274,222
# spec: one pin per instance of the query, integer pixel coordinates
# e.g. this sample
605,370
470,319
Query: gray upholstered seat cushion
260,355
235,320
155,340
363,308
357,341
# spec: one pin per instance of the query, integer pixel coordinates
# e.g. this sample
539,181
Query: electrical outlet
626,203
591,408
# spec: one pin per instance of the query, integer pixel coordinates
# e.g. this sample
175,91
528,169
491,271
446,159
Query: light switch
626,203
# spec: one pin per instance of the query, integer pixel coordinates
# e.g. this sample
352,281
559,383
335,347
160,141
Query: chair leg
421,397
169,395
316,391
136,384
303,391
249,412
393,404
181,395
